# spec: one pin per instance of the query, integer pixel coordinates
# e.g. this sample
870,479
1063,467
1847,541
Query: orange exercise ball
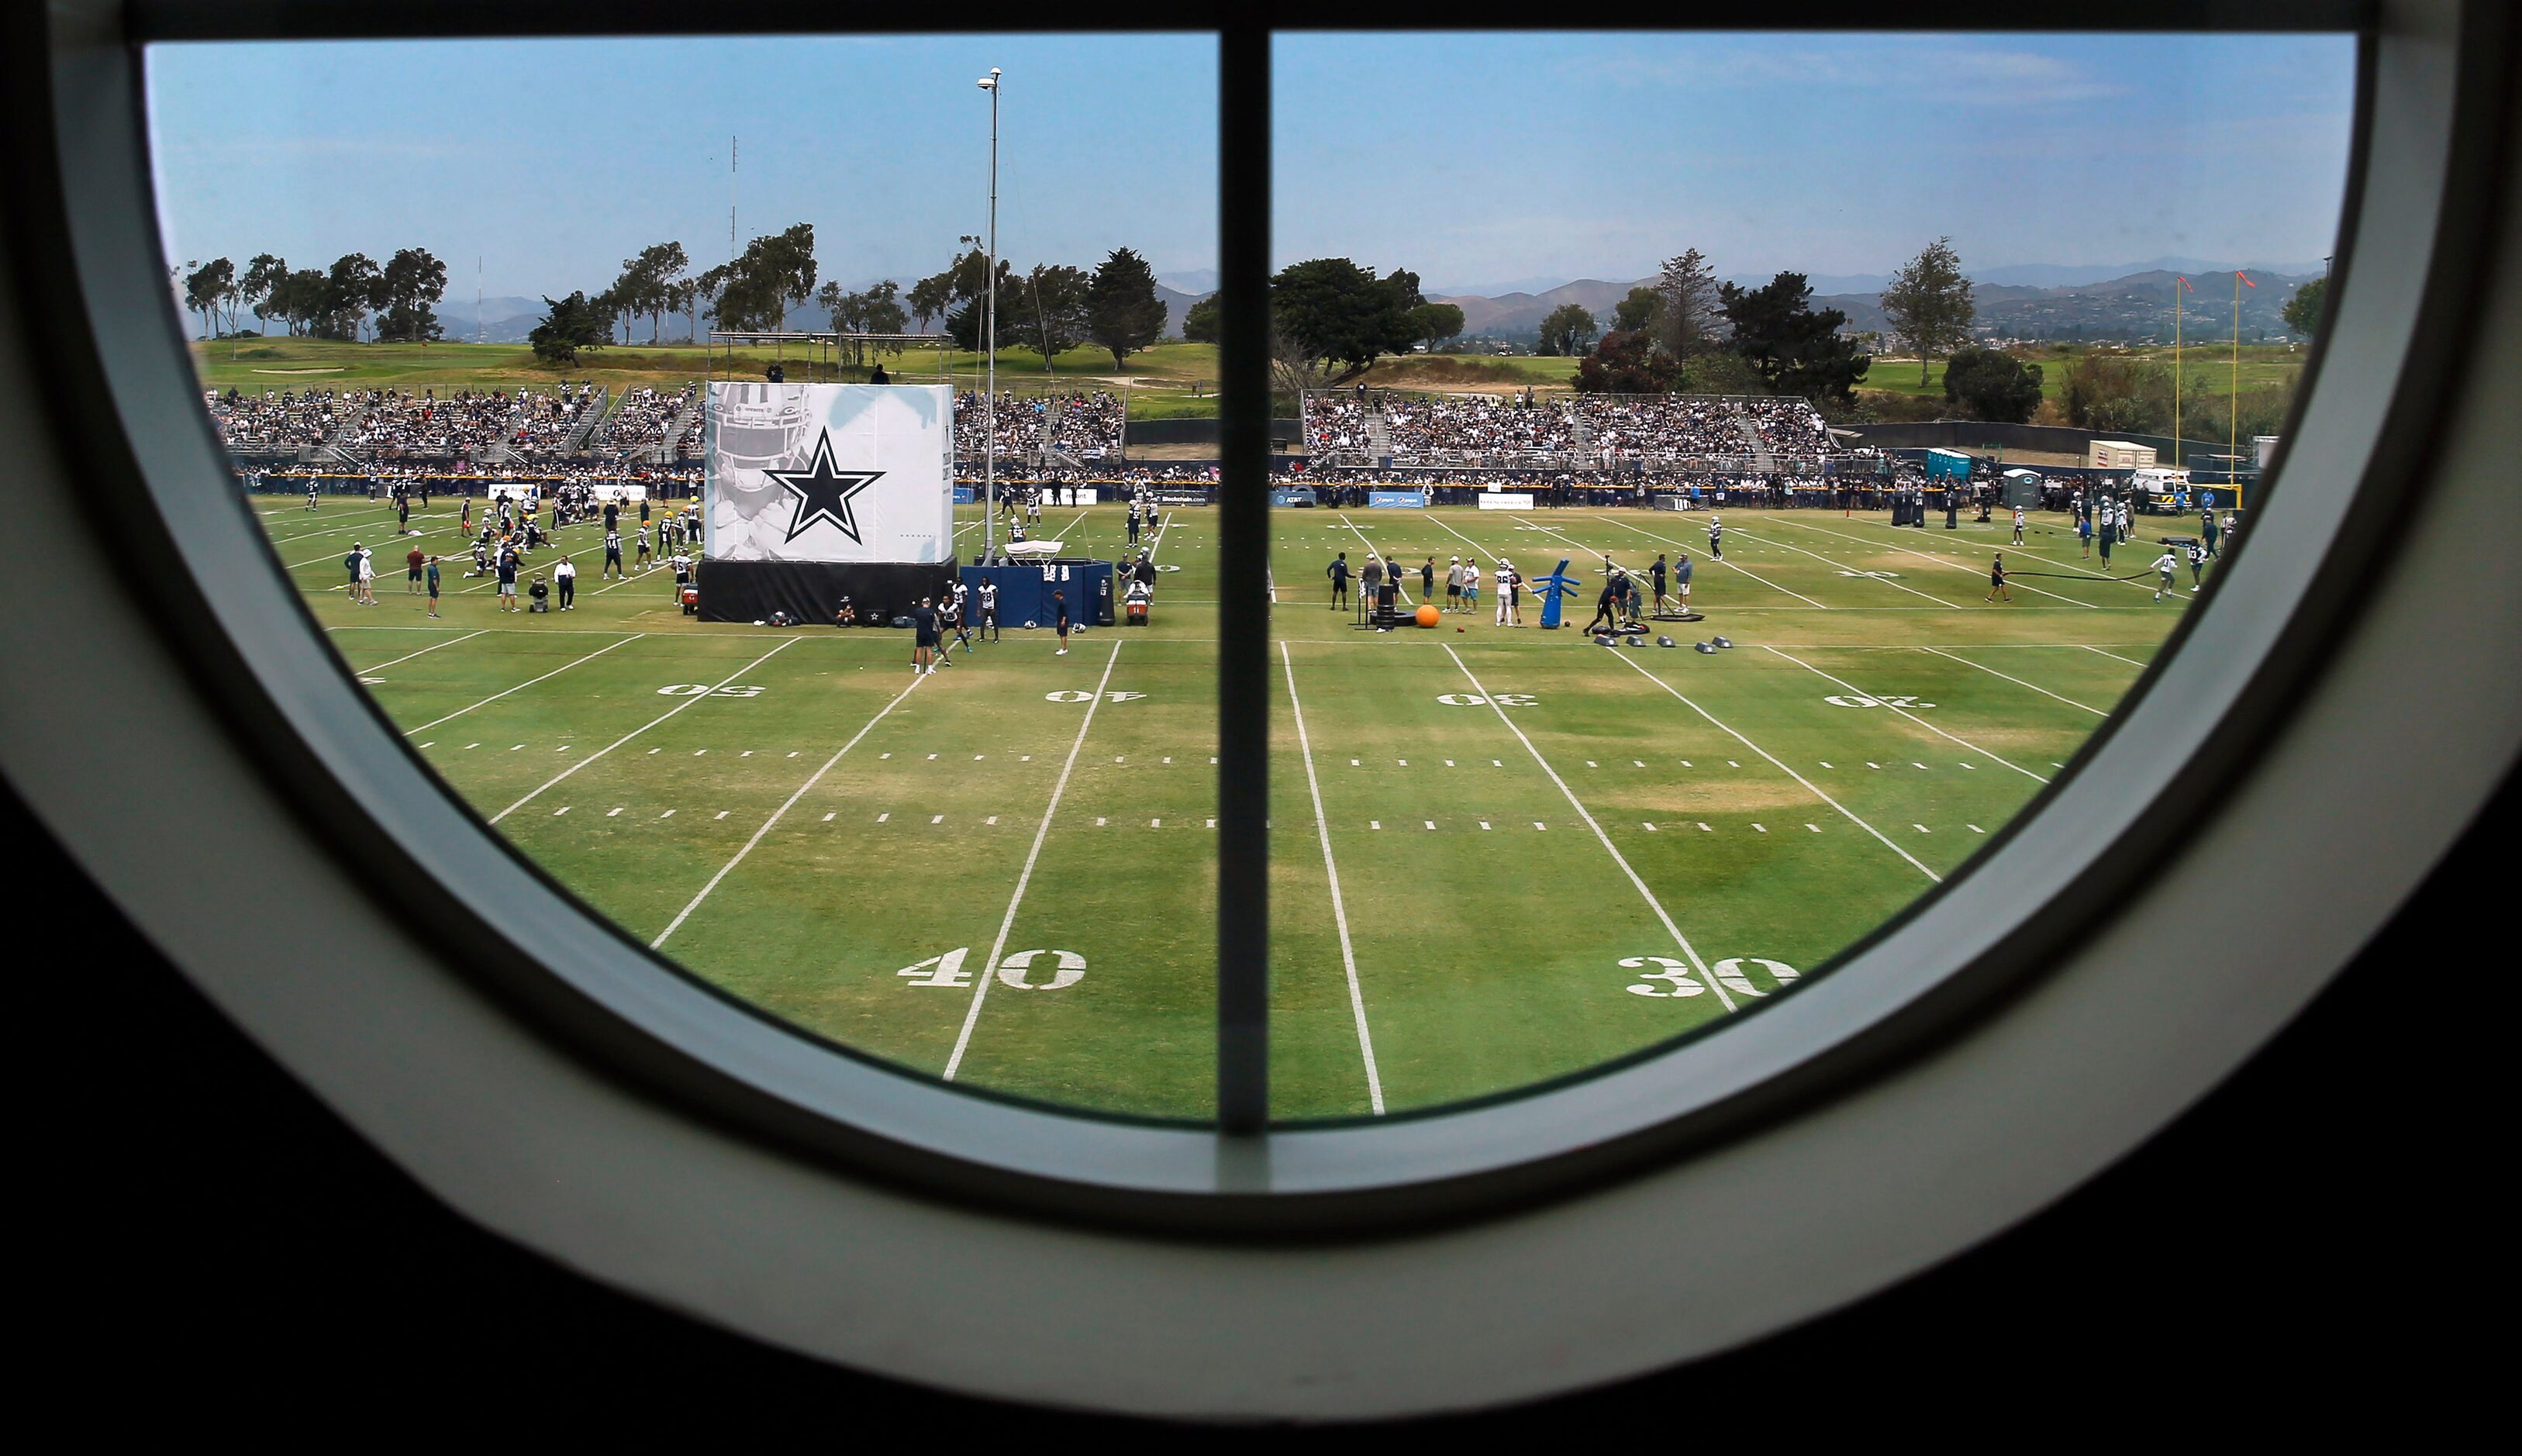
1426,616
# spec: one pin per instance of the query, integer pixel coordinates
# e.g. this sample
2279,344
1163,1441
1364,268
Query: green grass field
1166,382
1498,856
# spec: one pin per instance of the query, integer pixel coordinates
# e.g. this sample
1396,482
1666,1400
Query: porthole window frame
513,965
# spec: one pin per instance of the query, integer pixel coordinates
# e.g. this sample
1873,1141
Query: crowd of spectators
275,421
1019,423
532,424
1477,425
1089,426
637,428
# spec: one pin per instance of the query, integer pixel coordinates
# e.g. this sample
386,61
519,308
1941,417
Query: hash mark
937,818
721,813
1922,828
1484,824
881,817
827,819
991,820
1973,829
1703,828
669,814
557,813
1763,829
1375,824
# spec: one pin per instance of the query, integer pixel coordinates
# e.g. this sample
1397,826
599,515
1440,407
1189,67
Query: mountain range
2132,305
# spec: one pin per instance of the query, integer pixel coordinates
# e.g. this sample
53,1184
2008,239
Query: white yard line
2017,681
989,968
522,686
2112,656
1339,910
1906,713
1608,847
1937,560
1808,785
644,728
1861,576
383,523
432,647
775,813
1718,560
1378,556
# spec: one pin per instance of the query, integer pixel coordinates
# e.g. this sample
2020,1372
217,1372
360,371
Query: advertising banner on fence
1396,500
830,472
1506,499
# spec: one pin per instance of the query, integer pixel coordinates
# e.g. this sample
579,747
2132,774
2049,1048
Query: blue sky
1472,160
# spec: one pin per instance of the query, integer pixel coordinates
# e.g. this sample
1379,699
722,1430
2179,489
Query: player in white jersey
2165,566
989,609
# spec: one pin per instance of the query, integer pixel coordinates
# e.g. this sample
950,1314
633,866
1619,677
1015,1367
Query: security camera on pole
990,342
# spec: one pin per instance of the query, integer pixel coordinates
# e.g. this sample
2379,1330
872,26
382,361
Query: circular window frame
539,976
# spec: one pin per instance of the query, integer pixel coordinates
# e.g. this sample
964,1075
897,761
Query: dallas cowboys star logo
823,490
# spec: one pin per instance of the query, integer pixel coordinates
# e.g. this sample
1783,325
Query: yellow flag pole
2179,285
2233,406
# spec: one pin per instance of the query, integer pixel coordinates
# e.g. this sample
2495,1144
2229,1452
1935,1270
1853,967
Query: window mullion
1243,606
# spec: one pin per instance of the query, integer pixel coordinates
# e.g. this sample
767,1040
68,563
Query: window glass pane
1796,339
456,297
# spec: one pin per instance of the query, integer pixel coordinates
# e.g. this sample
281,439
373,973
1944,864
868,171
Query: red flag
2184,284
2245,277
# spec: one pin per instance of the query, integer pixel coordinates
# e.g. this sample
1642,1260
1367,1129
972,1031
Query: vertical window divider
1244,581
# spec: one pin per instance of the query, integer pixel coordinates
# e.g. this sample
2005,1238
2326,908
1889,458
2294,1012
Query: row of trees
1687,331
353,298
1052,309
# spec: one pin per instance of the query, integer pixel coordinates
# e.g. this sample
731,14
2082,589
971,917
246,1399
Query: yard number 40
1067,968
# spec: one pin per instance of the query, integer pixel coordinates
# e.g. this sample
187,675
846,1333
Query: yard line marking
641,728
1378,556
2017,681
1912,717
522,686
1719,560
1844,811
1884,580
776,813
1937,560
1608,847
432,647
989,968
2112,656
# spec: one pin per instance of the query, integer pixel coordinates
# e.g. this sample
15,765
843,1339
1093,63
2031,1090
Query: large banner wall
849,473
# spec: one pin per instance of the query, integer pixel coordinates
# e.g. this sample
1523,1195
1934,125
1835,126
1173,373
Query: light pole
990,342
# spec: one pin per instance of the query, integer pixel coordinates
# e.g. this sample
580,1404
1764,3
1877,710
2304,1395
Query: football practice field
1498,856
